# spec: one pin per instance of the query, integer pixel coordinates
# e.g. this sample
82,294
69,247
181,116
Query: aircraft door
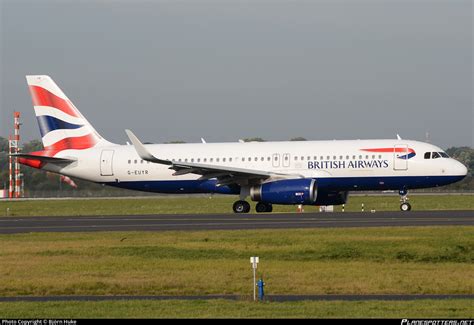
400,157
106,159
276,160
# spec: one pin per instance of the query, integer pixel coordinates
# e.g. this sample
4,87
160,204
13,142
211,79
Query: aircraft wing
225,175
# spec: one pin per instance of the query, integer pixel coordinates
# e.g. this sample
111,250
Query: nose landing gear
404,206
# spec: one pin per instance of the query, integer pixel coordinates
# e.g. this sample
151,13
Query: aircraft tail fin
61,124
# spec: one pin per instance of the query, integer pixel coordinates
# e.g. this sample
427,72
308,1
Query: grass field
232,309
214,204
411,260
436,260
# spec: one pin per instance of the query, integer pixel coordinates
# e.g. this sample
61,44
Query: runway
10,225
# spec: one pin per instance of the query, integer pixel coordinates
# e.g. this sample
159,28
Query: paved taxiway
10,225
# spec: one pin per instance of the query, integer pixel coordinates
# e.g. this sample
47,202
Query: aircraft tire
263,207
405,206
241,207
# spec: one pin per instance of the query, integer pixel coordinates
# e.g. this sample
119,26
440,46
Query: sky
228,69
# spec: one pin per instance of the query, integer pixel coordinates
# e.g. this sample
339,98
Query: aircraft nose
459,169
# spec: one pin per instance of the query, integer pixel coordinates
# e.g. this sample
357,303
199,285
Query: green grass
232,309
405,260
214,204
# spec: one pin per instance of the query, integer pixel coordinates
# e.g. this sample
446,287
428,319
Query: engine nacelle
287,191
332,198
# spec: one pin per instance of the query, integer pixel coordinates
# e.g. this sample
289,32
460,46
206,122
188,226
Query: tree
253,140
175,142
298,139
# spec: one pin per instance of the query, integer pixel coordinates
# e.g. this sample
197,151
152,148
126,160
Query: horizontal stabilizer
45,159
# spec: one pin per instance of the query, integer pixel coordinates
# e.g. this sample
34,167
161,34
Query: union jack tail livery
61,124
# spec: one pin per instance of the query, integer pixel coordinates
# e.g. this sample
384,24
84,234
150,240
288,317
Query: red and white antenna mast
16,138
10,168
14,189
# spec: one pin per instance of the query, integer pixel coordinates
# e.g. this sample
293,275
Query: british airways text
340,164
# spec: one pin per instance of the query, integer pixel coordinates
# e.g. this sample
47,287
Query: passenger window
205,159
296,158
341,157
223,159
321,158
268,159
230,159
427,155
211,159
435,155
129,161
135,161
250,159
347,157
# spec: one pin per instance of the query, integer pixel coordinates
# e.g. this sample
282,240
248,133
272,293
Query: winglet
399,137
143,152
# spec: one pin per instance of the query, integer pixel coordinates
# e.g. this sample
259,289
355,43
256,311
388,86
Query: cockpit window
444,154
435,155
427,155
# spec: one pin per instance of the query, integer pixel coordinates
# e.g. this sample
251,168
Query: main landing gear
242,206
404,206
263,207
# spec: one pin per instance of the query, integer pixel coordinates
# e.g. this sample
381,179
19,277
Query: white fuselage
349,165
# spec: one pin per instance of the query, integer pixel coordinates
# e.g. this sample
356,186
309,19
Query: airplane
271,173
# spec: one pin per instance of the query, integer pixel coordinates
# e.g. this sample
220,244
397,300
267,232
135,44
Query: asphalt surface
278,298
10,225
